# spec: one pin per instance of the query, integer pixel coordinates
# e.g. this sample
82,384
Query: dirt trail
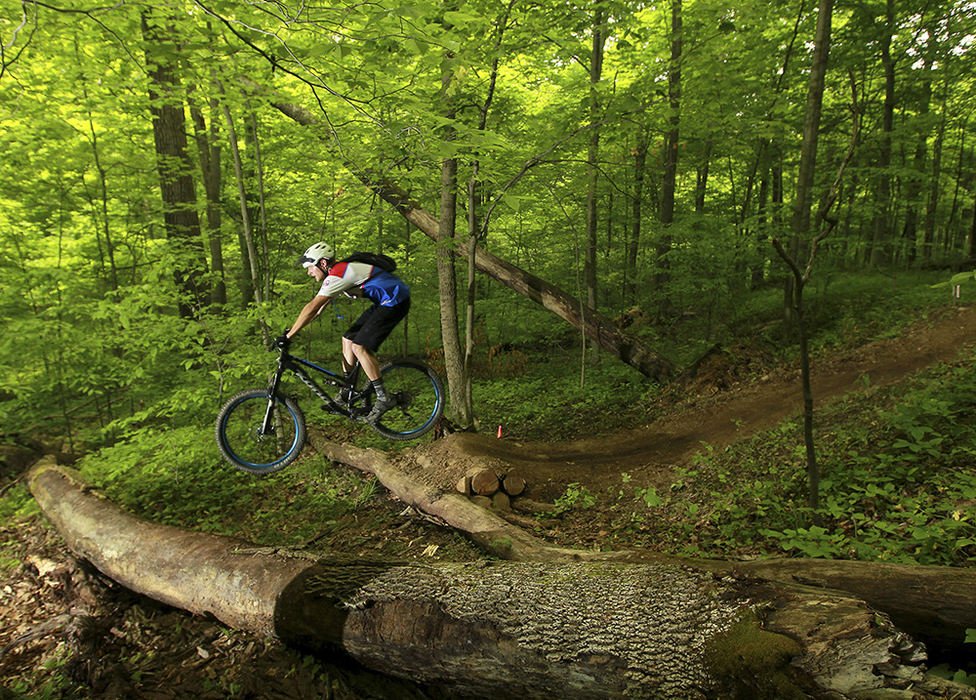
649,454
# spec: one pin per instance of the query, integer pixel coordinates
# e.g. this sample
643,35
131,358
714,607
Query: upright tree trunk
447,246
253,264
636,213
971,240
474,233
447,284
470,318
669,182
701,180
262,215
173,164
592,159
881,233
932,207
762,232
208,148
811,122
801,226
776,183
113,275
916,177
953,241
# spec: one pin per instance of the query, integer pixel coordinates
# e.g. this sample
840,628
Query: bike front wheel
245,443
418,400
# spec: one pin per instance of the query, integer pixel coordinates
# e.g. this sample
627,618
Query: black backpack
384,262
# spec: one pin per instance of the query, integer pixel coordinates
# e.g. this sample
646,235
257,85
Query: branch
541,158
90,14
787,259
316,84
4,48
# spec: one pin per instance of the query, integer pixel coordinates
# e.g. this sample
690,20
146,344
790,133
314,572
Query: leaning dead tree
596,326
586,629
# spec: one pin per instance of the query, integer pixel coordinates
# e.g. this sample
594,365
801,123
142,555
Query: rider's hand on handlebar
282,341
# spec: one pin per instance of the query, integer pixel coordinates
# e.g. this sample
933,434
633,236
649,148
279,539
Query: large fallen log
530,629
933,603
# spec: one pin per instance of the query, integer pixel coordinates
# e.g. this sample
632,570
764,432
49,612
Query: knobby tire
419,400
238,426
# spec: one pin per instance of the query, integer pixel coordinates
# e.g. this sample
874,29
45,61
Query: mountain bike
261,431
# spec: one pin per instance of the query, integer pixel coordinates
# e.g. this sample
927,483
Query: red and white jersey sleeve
344,276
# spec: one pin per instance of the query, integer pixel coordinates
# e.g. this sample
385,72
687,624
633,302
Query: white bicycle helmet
316,252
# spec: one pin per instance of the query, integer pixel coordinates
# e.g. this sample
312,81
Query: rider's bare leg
348,355
370,365
367,360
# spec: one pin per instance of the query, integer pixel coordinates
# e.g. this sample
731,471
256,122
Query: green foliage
94,356
547,401
957,279
649,496
576,497
17,502
954,675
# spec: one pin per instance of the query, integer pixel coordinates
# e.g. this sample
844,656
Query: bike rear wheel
241,440
418,400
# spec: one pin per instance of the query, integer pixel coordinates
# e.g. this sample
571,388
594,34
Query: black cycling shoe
379,408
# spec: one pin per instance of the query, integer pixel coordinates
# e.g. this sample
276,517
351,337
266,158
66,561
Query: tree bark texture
253,265
669,179
881,233
601,329
173,163
447,286
208,149
633,242
585,630
914,181
811,123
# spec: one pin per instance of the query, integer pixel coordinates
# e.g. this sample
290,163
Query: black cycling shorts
375,324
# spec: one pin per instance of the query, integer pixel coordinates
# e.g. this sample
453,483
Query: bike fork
266,426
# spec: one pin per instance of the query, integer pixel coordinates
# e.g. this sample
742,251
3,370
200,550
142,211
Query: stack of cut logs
504,493
489,490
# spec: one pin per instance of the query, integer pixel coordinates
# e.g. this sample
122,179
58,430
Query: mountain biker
391,302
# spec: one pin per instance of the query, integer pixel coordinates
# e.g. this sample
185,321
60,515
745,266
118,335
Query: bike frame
296,365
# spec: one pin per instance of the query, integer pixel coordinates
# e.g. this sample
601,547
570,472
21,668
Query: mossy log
582,629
